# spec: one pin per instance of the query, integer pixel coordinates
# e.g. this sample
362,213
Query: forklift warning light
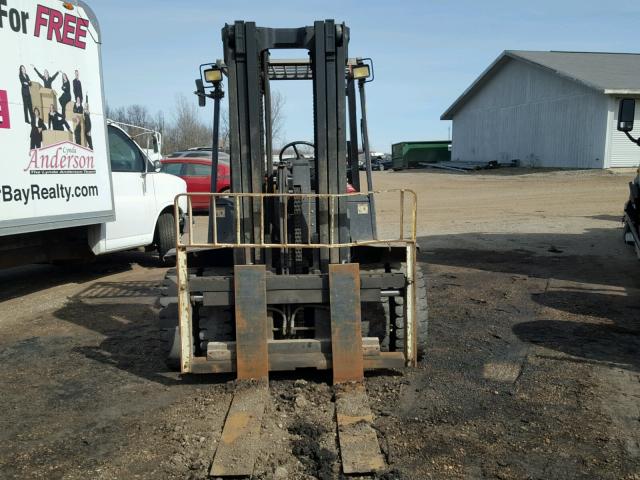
360,71
213,75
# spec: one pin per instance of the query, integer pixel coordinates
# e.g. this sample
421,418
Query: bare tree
159,122
116,114
224,130
277,122
139,115
187,130
278,102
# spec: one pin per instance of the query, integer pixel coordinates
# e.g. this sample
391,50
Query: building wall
527,113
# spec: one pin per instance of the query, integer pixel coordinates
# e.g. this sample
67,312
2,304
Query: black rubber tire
375,316
166,237
397,310
375,322
168,320
172,352
626,233
215,324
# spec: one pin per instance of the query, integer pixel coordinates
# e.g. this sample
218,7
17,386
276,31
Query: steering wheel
294,145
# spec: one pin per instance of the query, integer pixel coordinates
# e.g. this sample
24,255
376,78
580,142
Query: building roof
608,73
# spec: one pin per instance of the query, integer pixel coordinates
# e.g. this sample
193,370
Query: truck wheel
627,236
165,237
398,314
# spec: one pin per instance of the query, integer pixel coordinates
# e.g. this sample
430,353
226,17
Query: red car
197,173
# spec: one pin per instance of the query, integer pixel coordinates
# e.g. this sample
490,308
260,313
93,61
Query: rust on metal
184,312
240,442
346,329
405,236
411,326
250,290
330,198
359,448
285,361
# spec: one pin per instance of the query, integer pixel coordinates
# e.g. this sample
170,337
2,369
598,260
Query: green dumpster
412,154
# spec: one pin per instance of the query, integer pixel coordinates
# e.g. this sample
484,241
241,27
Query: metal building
548,109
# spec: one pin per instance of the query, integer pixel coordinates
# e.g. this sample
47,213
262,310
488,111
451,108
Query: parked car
377,163
197,173
190,154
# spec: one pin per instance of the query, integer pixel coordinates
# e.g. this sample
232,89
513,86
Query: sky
426,53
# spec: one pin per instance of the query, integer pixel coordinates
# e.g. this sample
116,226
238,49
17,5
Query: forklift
631,217
293,271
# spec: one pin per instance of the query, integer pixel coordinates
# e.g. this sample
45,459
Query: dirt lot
532,371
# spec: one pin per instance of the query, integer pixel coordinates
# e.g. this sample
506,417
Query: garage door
624,153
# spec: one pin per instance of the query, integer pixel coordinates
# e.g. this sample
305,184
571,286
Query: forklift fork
239,448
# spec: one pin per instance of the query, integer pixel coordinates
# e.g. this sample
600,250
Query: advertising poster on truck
54,165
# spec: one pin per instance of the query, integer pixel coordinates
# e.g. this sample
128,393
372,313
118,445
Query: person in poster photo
46,79
77,87
87,126
56,121
77,107
65,98
25,83
37,127
77,130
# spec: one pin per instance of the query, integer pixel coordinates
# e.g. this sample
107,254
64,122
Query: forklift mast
250,70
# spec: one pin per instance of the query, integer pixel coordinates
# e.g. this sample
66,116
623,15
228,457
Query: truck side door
134,195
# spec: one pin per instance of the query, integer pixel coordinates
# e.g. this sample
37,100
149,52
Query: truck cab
143,200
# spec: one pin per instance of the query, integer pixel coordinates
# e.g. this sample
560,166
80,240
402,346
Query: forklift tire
398,312
172,341
165,238
168,320
627,236
375,322
375,315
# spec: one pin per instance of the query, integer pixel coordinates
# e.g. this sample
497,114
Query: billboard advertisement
54,164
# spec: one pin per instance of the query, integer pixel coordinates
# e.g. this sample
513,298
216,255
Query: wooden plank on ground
240,443
359,448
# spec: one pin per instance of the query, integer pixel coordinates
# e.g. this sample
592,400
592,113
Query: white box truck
72,185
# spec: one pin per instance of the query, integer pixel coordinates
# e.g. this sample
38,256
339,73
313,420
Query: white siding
527,113
622,152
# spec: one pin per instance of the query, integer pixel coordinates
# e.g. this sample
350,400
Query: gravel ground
532,369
